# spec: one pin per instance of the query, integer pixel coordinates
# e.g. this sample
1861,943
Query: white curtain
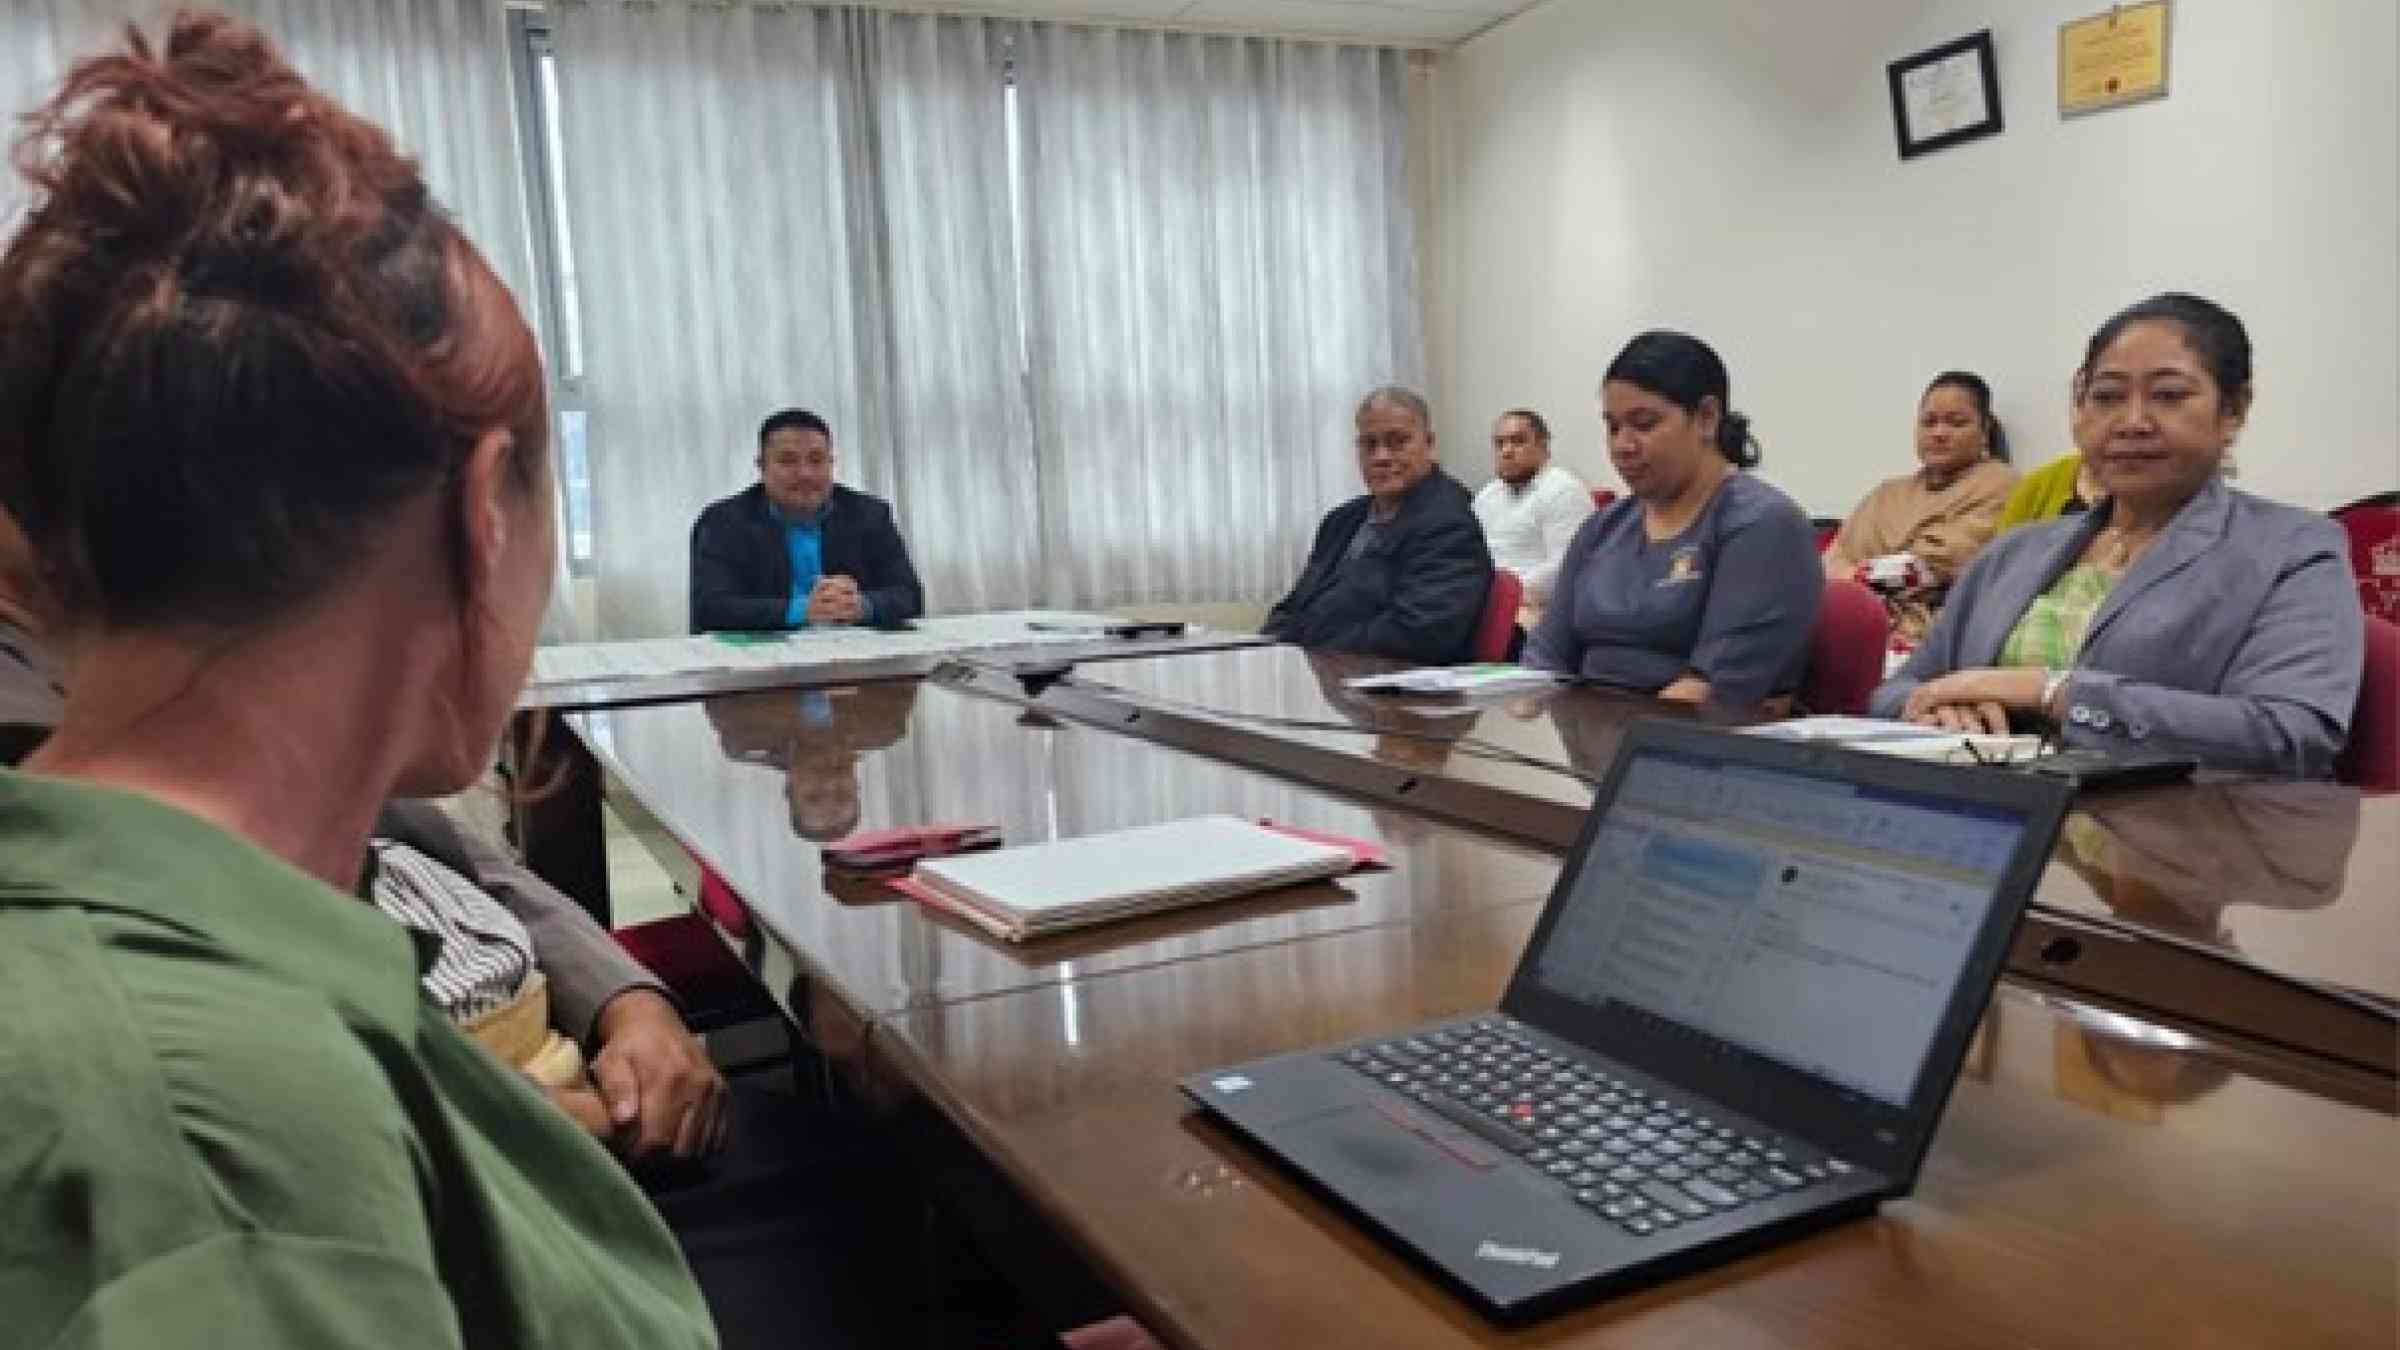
1221,260
433,73
708,155
963,463
788,206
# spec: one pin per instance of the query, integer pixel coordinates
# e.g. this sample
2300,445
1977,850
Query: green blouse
2050,633
227,1118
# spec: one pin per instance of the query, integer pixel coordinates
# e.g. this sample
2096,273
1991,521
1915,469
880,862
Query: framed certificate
2112,59
1945,95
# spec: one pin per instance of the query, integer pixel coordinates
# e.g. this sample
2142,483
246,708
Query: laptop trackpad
1366,1153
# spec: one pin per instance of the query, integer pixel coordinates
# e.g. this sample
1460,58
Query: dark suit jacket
742,570
1414,595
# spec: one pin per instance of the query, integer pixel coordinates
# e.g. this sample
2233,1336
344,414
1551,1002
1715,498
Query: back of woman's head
1685,371
1967,382
240,336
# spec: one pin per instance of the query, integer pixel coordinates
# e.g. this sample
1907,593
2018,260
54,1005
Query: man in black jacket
796,549
1402,571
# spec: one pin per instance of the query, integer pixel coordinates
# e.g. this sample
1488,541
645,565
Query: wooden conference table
2238,905
751,783
2100,1179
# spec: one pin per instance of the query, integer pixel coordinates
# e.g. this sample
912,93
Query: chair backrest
1498,626
2372,758
1845,650
719,902
2373,524
1829,528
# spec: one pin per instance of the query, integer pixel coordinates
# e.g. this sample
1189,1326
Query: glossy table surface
2298,879
673,669
753,784
2100,1180
1286,693
2096,1182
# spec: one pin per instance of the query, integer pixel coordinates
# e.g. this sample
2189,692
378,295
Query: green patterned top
2050,633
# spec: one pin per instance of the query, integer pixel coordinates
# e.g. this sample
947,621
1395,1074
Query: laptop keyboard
1632,1157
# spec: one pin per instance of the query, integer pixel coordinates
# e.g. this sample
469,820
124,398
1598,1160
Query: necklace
2118,547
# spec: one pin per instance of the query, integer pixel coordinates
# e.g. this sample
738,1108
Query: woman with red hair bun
276,434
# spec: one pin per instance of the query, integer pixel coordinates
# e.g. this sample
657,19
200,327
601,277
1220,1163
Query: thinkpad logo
1515,1256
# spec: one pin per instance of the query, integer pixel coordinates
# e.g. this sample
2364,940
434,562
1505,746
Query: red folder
881,853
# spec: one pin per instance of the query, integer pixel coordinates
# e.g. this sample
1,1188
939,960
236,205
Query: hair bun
257,250
1734,440
238,329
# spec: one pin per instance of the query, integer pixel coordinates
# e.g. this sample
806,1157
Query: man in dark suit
797,549
1402,571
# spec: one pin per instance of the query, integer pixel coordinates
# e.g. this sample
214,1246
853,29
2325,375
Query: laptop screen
1807,920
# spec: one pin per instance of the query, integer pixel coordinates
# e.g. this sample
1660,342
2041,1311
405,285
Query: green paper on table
748,639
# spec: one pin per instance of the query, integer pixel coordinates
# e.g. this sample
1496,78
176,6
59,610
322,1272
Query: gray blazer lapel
2013,592
2198,525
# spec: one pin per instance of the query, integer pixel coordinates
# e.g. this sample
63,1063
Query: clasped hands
1977,701
653,1092
836,599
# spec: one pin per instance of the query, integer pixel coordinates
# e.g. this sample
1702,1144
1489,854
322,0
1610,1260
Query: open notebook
1036,889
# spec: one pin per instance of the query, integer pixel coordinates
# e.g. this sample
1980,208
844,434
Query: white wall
1727,167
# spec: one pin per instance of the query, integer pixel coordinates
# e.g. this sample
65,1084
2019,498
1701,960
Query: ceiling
1410,23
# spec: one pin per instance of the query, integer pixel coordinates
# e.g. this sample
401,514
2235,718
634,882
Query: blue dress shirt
804,537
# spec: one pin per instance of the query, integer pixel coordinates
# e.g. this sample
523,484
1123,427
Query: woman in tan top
1910,537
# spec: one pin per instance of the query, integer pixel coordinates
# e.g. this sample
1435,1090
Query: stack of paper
1906,740
1038,889
1484,679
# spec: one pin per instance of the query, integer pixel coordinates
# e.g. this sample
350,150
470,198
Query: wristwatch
2052,682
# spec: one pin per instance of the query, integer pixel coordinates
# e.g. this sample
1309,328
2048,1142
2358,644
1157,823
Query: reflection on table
752,783
815,738
1523,767
2296,877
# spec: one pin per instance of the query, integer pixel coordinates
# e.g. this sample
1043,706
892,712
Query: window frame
557,298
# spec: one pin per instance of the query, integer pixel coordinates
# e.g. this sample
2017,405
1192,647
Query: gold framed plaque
2112,59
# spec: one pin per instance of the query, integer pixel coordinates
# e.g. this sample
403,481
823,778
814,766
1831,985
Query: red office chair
1845,650
2372,758
1829,528
2373,524
718,902
685,953
1498,626
1601,497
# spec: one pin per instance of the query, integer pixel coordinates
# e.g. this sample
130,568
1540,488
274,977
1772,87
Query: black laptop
1737,1021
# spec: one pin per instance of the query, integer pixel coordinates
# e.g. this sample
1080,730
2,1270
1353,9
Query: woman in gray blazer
2181,615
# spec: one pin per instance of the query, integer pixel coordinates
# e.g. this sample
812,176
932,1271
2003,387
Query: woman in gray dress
1701,585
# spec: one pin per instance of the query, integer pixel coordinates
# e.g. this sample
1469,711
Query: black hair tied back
1734,440
1685,371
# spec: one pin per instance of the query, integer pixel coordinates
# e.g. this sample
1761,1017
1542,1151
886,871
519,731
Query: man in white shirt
1530,512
